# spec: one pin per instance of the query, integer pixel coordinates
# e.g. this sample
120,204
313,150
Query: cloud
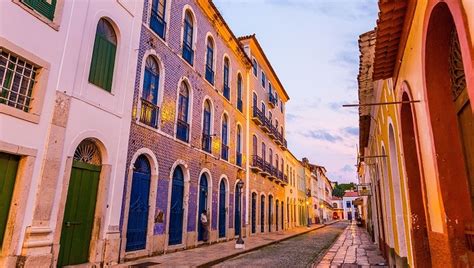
347,58
291,117
322,135
347,168
352,131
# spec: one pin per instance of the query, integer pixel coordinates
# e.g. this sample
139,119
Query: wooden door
238,217
202,205
254,212
222,210
8,169
176,208
79,214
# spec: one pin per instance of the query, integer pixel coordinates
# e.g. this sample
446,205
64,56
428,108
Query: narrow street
300,251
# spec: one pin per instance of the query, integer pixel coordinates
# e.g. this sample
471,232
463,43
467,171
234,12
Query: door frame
154,168
226,207
14,228
209,203
186,178
98,231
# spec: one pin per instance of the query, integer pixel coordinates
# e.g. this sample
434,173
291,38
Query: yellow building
417,131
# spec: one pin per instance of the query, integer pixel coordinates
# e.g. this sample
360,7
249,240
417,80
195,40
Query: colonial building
66,98
350,208
188,133
416,137
321,194
291,190
267,144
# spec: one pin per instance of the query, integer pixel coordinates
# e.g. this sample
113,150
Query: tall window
103,56
45,8
276,162
254,145
238,143
157,17
149,109
206,127
17,80
270,156
264,149
210,61
264,79
182,128
254,99
188,53
270,117
254,67
224,138
263,109
239,93
281,106
226,90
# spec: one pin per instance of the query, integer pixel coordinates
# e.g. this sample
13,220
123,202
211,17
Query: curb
219,260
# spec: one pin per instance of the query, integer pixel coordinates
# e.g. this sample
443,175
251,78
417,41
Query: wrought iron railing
207,142
272,99
225,151
149,113
238,159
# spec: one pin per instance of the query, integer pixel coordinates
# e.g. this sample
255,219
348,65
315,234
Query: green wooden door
8,168
79,214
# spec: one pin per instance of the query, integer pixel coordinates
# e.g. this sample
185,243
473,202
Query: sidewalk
353,249
215,253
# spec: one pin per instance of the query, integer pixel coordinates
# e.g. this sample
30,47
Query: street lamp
240,242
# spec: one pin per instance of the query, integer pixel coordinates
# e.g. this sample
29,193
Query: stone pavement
211,254
353,248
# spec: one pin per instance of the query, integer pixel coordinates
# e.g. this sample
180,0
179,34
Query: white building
321,194
67,70
350,210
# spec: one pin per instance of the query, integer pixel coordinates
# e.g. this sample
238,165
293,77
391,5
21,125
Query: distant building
350,209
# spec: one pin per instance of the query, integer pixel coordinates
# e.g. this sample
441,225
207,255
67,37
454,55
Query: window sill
14,112
51,23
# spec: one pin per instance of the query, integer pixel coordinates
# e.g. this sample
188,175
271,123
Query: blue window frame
206,128
224,138
238,158
255,67
182,128
188,53
226,90
264,80
239,93
210,61
149,103
157,17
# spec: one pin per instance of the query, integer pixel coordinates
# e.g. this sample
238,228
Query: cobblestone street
299,251
352,249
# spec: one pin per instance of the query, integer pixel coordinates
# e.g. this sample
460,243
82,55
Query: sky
312,45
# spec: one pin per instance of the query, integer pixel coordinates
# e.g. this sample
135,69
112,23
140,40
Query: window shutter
43,7
102,64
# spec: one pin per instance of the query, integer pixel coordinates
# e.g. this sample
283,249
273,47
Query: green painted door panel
79,214
8,169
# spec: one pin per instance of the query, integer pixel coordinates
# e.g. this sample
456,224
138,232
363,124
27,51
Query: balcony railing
149,114
188,53
225,151
257,115
240,105
257,163
209,74
272,101
182,130
226,92
206,142
157,24
238,159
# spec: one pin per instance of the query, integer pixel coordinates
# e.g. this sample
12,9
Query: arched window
188,53
254,145
239,93
157,17
263,109
238,146
264,79
255,100
182,128
254,67
149,102
210,60
206,127
224,138
103,56
264,149
277,164
270,156
226,89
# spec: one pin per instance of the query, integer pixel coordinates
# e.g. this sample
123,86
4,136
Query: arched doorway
262,214
276,214
237,215
222,209
452,122
419,228
203,193
80,205
254,212
270,212
176,208
138,212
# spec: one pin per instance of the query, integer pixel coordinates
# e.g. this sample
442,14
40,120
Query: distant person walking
205,226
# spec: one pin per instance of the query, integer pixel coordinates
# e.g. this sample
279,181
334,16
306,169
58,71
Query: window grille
17,79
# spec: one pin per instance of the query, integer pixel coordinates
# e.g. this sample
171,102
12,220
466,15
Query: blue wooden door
222,209
138,212
202,204
262,214
237,217
276,215
254,212
176,208
270,209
